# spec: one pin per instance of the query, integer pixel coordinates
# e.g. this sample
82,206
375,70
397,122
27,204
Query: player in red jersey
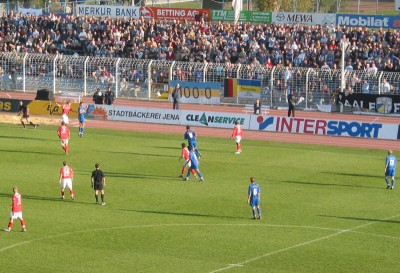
186,156
66,178
16,211
237,134
66,108
64,134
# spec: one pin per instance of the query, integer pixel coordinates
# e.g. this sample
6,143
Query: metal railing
147,79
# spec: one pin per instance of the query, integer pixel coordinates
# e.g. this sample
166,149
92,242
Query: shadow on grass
362,219
355,175
325,184
140,154
30,152
184,214
129,175
45,198
27,138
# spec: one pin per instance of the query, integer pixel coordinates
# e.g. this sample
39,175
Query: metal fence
149,79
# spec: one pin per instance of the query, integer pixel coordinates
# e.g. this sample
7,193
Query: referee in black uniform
98,183
24,110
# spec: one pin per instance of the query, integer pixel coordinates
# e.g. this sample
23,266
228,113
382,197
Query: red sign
180,14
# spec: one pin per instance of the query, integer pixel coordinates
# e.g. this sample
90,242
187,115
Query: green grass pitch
325,208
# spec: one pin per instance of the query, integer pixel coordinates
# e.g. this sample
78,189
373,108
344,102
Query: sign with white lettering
371,21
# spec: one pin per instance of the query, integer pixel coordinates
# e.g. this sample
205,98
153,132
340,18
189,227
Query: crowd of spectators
266,45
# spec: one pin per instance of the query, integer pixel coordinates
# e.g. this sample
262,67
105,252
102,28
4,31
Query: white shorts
66,183
64,142
187,164
64,118
238,139
16,215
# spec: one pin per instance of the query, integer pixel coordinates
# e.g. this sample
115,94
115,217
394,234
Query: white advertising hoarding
303,18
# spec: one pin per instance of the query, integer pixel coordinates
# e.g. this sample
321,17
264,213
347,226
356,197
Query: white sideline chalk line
160,225
338,231
351,230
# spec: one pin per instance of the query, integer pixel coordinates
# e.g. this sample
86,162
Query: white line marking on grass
303,244
161,225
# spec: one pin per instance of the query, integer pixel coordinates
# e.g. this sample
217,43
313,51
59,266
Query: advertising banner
213,119
383,104
261,17
197,92
229,15
325,127
113,11
42,107
179,14
371,21
132,114
303,18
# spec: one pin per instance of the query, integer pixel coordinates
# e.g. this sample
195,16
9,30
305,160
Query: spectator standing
176,97
237,134
98,183
16,211
257,107
253,198
292,103
98,97
66,178
390,170
24,110
109,97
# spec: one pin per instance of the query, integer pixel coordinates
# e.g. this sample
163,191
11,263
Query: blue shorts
254,202
194,166
390,172
193,144
81,119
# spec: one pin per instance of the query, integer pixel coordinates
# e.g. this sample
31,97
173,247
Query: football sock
188,172
238,146
183,170
102,198
97,197
254,213
393,182
62,193
72,193
10,224
198,154
200,175
31,123
387,181
23,223
259,212
23,124
193,172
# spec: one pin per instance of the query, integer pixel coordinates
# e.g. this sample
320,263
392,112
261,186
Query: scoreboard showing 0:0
195,92
198,92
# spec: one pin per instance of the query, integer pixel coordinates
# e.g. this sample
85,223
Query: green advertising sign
261,17
245,15
229,15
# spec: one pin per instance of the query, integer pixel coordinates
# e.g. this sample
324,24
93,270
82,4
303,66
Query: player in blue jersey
390,170
190,136
253,198
194,165
81,117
